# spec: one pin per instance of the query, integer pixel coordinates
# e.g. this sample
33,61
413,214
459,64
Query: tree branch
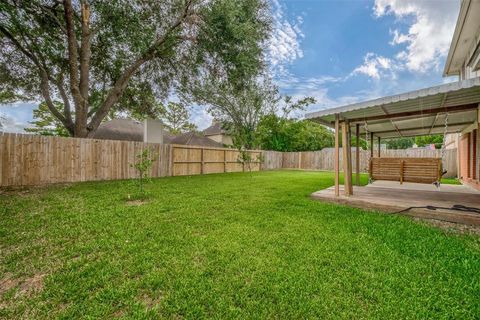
122,82
85,53
72,51
46,95
66,102
44,78
20,47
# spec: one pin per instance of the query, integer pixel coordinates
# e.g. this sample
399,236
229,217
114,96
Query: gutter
456,37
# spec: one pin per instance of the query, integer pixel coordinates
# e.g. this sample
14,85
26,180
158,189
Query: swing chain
444,144
368,153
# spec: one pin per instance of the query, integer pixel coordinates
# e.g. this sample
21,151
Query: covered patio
413,199
401,183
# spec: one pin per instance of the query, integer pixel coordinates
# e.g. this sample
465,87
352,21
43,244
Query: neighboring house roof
195,139
168,137
125,129
214,129
120,129
466,39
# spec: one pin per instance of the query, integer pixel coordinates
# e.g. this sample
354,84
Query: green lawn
226,246
450,181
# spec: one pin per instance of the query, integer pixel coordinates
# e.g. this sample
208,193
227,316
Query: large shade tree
97,56
238,108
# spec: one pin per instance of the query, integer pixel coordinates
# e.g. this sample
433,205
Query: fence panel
272,160
191,160
35,160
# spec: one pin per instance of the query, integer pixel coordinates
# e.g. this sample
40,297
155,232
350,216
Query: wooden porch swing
420,170
409,169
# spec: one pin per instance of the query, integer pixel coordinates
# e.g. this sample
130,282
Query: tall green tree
239,108
400,143
435,139
176,118
281,134
97,56
45,124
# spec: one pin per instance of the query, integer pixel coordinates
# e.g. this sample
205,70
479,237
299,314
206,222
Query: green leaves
141,51
143,164
281,134
176,117
233,32
45,124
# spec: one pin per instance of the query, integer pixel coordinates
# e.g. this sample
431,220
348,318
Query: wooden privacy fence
324,159
36,160
191,160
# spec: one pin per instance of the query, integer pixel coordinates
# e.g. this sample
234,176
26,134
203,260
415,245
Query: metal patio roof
414,113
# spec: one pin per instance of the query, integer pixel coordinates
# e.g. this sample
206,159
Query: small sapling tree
143,165
246,158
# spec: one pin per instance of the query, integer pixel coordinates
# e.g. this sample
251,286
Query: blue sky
343,51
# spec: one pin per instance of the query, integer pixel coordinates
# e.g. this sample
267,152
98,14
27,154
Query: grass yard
225,246
450,181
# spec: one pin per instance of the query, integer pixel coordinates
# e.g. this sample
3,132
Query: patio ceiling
420,112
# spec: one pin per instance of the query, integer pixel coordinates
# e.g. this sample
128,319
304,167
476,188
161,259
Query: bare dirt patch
118,314
151,301
7,283
136,203
32,285
26,286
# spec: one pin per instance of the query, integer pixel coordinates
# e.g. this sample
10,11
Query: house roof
466,39
125,129
414,113
195,139
214,129
120,129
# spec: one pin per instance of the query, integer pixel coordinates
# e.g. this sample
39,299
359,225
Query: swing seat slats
420,170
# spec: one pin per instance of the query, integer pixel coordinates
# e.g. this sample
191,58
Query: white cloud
375,66
284,44
431,25
399,38
319,88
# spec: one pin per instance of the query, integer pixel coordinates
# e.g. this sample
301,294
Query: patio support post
371,145
478,141
379,146
337,155
357,154
347,159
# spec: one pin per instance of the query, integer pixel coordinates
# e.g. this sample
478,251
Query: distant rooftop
125,129
214,129
195,139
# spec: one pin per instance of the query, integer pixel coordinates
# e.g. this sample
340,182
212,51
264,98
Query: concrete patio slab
394,198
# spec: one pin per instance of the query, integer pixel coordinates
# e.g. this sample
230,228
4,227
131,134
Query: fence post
224,161
202,163
402,164
171,150
260,159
